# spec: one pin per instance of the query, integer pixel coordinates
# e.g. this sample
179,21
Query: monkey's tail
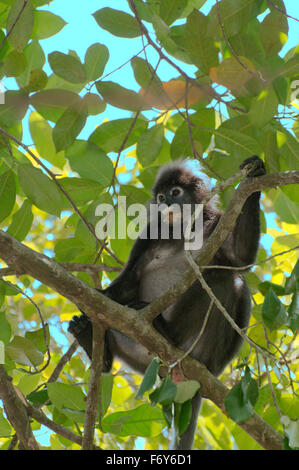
185,441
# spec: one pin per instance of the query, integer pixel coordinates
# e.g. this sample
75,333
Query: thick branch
16,412
98,341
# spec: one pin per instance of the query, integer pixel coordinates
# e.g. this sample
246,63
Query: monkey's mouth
171,215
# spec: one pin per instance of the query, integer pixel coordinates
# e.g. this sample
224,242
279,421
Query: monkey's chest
162,267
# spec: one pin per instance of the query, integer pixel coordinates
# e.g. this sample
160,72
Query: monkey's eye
176,192
160,197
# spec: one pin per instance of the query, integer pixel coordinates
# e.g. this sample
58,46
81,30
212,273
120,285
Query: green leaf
185,416
202,122
239,402
69,125
94,104
292,282
52,103
273,32
21,221
65,396
7,194
234,15
5,428
165,393
146,76
5,329
120,97
144,421
117,22
20,23
113,135
170,10
7,288
293,313
288,149
149,378
41,133
35,58
96,58
46,24
14,108
37,337
263,108
106,387
236,143
266,285
40,189
186,390
67,67
198,44
81,190
37,81
273,312
29,382
286,209
24,352
150,144
14,64
90,162
70,249
39,397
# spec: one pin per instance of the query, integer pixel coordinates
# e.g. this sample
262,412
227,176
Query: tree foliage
238,100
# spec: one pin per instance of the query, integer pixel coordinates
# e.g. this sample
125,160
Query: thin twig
41,418
223,310
245,268
63,360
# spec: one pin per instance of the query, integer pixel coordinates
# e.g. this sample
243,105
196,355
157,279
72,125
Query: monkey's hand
254,166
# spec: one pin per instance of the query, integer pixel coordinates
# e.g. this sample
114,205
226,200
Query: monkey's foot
80,327
254,166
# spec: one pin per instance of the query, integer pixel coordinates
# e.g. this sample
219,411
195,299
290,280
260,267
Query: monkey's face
171,201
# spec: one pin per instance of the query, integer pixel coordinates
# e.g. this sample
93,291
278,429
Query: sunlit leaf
96,58
117,22
7,194
40,189
21,30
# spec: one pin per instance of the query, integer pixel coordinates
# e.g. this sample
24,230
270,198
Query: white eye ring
160,197
177,191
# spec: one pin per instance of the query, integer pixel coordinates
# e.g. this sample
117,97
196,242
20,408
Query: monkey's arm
246,233
124,288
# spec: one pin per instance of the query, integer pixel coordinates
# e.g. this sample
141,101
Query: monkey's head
177,186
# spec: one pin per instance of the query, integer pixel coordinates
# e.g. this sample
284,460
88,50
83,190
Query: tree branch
98,342
16,412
